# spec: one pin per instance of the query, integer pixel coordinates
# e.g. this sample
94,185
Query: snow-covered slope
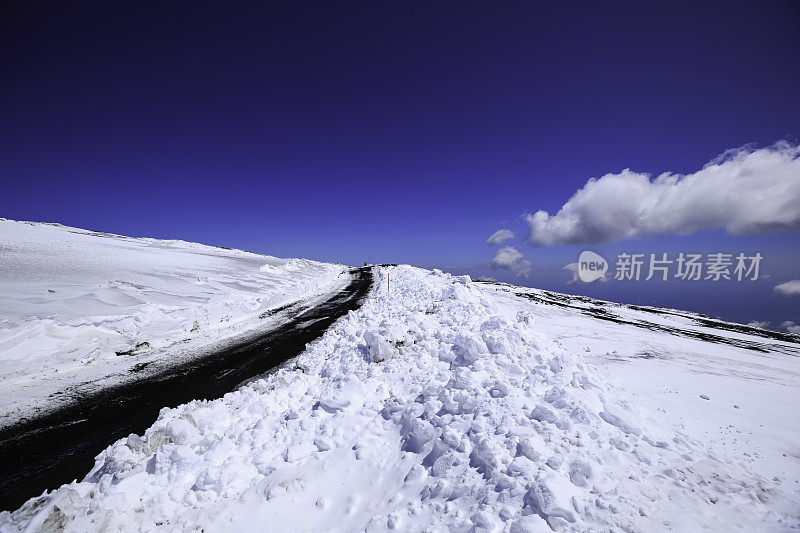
446,404
734,387
81,306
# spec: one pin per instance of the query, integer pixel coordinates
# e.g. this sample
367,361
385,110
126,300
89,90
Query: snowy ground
735,389
80,308
452,405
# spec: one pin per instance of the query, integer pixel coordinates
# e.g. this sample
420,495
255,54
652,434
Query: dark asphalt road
46,452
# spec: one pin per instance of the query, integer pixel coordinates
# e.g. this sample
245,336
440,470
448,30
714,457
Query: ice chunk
378,346
548,500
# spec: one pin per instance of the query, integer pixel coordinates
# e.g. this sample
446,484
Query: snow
740,401
445,404
80,306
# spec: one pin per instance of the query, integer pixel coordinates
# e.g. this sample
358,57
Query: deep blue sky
388,131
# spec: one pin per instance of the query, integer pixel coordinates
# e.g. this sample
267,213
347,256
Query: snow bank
77,305
433,407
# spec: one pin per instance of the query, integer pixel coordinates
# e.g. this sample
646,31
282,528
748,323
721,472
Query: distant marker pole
387,282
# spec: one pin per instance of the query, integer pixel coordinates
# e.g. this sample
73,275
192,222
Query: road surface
46,452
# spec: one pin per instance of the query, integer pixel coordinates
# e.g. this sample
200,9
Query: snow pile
430,408
77,305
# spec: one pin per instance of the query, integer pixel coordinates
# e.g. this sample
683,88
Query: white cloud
573,269
745,191
790,288
499,237
510,258
791,327
758,324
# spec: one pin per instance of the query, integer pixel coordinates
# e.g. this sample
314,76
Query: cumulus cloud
758,324
499,237
509,258
744,191
573,269
791,327
790,288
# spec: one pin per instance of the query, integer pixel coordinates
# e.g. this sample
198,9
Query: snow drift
78,305
441,405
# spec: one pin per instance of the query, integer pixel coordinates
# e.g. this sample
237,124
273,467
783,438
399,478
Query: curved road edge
44,453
